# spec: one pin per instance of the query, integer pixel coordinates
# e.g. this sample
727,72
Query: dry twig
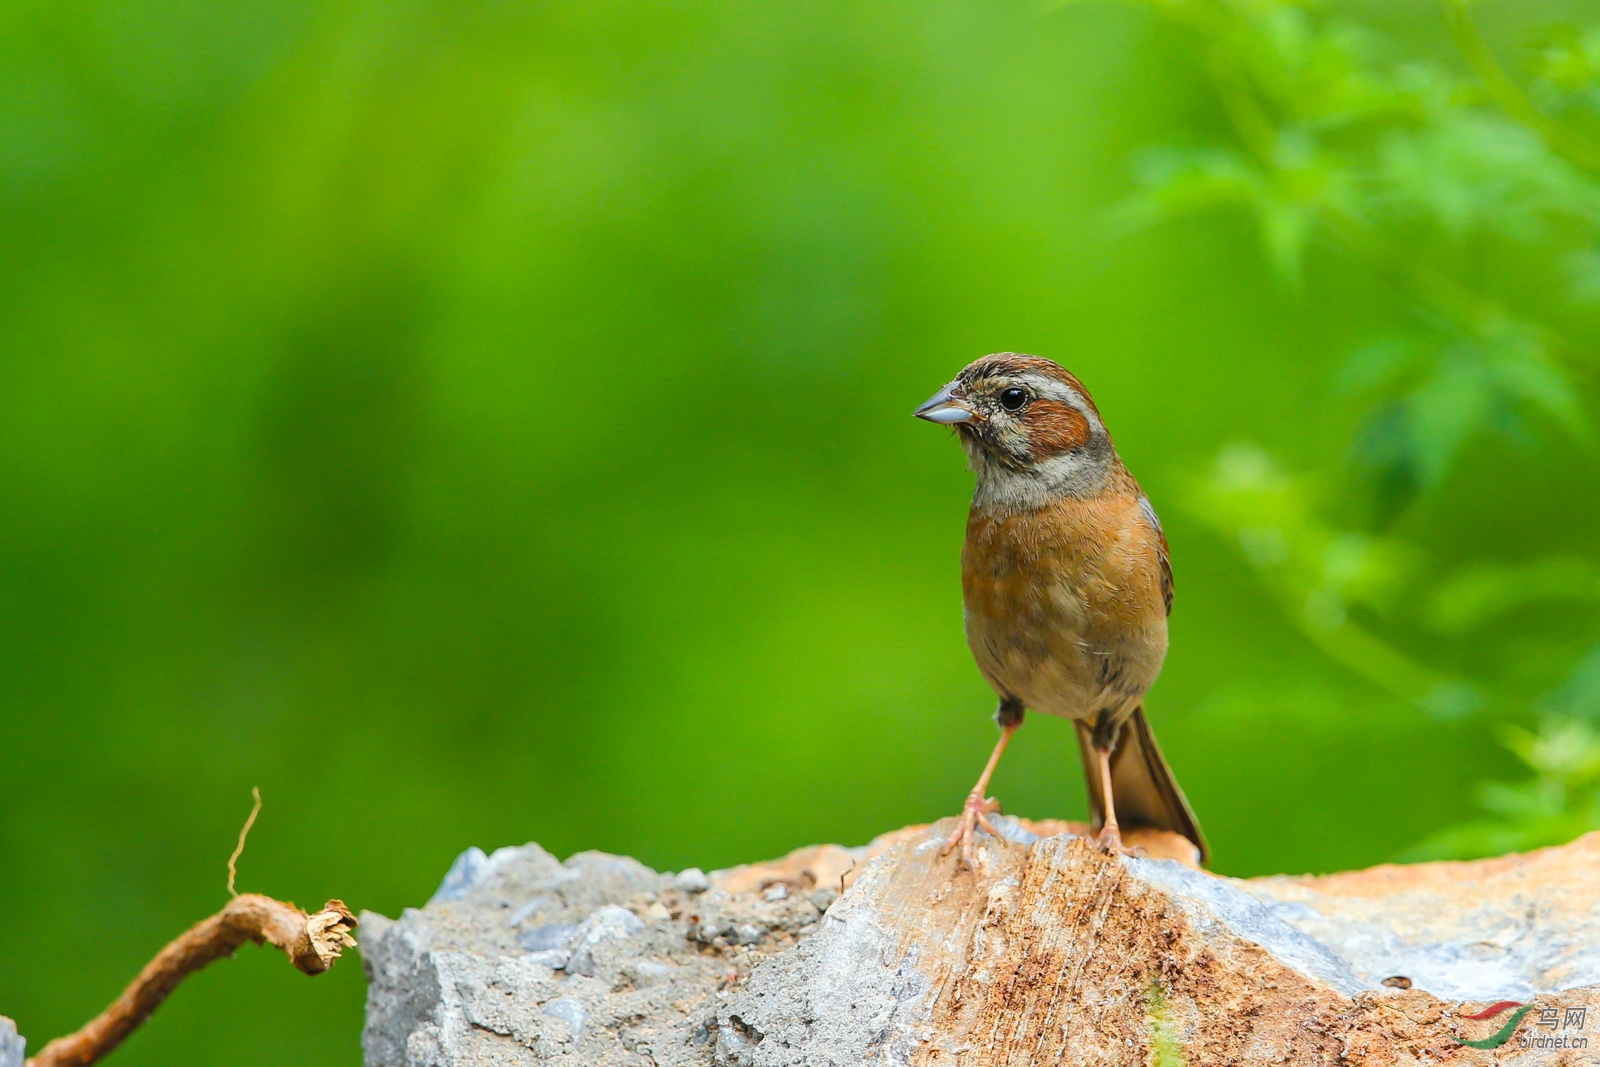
244,832
312,942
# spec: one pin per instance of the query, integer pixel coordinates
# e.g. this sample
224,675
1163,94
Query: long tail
1142,785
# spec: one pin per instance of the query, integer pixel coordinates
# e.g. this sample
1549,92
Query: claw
1110,839
974,813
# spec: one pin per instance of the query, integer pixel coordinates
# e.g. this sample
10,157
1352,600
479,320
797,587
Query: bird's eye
1012,399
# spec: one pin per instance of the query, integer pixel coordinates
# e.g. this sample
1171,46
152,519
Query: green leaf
1579,697
1480,593
1413,441
1558,803
1375,366
1526,372
1177,182
1472,171
1445,411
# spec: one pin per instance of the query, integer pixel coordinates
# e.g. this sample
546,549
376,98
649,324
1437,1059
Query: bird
1066,586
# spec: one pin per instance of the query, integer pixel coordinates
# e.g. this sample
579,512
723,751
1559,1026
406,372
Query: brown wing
1161,538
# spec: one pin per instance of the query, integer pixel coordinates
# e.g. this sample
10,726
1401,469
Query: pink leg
975,811
1110,835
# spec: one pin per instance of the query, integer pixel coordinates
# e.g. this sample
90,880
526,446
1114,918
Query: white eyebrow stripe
1044,385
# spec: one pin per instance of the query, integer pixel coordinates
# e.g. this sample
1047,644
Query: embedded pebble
547,937
654,968
822,897
570,1012
609,923
693,880
553,958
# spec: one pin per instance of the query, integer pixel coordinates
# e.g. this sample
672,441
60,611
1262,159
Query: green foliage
1340,136
1320,572
1344,139
1560,801
1475,595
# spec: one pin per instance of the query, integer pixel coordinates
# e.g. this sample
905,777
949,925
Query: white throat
1005,489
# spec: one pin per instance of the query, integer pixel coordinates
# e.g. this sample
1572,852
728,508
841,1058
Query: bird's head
1031,431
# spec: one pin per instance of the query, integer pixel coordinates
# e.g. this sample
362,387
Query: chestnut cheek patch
1054,428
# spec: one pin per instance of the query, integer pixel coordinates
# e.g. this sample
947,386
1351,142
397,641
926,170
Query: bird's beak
946,408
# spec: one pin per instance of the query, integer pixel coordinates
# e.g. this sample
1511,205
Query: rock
1052,952
547,937
554,958
462,873
609,923
823,897
570,1012
693,880
12,1046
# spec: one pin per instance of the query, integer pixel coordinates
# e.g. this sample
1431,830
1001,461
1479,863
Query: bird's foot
974,813
1110,839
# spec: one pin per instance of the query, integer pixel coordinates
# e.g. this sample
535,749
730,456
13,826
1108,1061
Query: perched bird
1066,587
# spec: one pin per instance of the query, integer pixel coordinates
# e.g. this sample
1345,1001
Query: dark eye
1012,399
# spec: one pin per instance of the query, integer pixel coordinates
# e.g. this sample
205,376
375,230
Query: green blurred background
475,423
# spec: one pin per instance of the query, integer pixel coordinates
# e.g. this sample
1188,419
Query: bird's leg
1105,740
975,811
1110,835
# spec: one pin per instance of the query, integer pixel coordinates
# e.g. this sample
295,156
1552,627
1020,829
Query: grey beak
947,409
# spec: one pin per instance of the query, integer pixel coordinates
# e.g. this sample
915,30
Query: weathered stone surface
644,962
1052,952
12,1047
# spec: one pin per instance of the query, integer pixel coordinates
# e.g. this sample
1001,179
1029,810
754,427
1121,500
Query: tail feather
1142,785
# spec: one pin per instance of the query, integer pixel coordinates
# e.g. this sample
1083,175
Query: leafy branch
1443,185
1565,142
